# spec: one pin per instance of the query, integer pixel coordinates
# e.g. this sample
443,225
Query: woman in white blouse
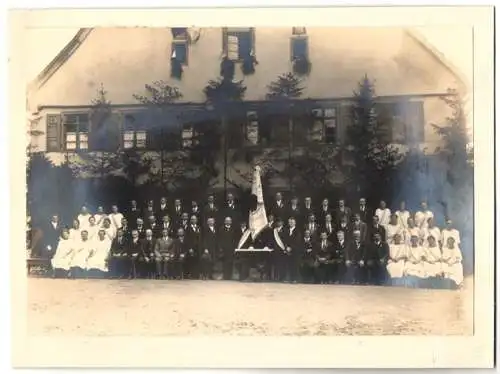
61,262
398,252
432,263
392,229
403,214
453,270
383,213
414,266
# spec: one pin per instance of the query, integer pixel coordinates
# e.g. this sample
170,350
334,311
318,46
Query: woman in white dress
431,230
403,215
453,270
414,267
383,213
100,215
423,215
450,232
97,262
108,229
61,262
432,263
116,217
392,229
396,263
412,230
81,253
92,228
83,218
75,231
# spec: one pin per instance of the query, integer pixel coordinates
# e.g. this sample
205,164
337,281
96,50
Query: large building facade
410,80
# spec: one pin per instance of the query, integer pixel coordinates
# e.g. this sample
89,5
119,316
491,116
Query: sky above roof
454,43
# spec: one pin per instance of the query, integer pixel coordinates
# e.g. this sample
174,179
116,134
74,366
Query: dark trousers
321,273
205,267
376,273
162,268
291,268
145,267
307,272
227,266
354,273
336,271
191,267
118,267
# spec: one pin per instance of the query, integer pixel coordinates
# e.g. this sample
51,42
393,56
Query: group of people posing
301,242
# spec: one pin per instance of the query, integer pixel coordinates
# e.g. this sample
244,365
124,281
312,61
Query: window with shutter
53,133
76,131
238,43
299,48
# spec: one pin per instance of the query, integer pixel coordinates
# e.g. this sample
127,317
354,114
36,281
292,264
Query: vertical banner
258,217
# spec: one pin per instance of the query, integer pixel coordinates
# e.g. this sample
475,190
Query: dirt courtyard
161,308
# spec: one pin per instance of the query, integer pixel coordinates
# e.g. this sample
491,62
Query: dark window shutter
244,44
180,52
54,132
344,121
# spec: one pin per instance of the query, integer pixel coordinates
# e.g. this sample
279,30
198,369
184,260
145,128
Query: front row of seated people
412,265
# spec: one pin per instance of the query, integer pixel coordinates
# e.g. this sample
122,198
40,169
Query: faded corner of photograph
215,176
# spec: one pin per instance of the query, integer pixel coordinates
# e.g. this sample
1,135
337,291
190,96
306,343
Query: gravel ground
160,308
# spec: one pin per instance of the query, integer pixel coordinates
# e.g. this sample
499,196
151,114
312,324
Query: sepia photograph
256,181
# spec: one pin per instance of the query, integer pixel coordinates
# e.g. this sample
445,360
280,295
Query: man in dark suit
127,229
329,228
176,213
231,209
294,250
376,228
180,251
195,211
51,236
134,248
154,226
345,226
118,255
323,211
147,255
164,255
209,248
308,258
295,211
362,210
323,254
280,252
167,224
312,226
132,213
359,225
355,261
210,210
227,242
342,211
149,210
307,209
193,237
162,210
339,249
141,228
183,223
376,255
278,207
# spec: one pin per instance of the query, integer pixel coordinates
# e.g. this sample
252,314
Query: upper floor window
238,43
180,43
76,131
299,44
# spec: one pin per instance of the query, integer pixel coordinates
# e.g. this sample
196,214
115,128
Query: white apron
84,221
432,261
396,263
63,255
453,233
435,232
421,218
392,230
81,253
384,216
414,265
116,220
452,265
99,255
75,234
415,231
403,218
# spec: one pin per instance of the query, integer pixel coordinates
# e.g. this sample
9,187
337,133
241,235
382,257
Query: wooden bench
42,264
